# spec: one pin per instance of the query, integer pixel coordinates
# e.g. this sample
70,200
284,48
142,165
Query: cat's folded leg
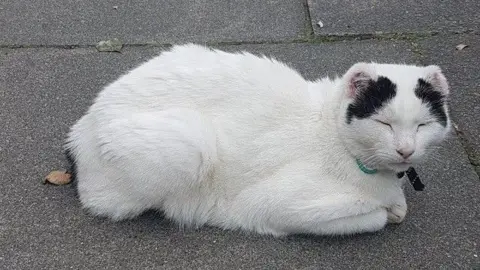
369,222
344,216
144,157
352,215
271,209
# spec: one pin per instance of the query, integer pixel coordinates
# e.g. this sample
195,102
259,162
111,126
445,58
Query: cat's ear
434,75
358,78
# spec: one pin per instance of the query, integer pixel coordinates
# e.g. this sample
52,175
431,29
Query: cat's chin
399,167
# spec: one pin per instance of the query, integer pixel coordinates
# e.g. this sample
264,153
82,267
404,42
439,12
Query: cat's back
209,80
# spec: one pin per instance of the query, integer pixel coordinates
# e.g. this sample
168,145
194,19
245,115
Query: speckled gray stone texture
73,22
393,16
463,72
43,227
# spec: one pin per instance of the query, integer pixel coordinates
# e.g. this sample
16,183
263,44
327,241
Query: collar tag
413,178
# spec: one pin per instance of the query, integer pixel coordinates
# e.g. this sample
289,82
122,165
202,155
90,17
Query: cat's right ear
358,78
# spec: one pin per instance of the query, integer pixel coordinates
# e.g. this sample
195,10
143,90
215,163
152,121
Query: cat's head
392,115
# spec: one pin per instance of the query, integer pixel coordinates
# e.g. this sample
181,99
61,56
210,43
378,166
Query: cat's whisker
434,156
370,159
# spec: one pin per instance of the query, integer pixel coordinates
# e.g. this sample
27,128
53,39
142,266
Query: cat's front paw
396,213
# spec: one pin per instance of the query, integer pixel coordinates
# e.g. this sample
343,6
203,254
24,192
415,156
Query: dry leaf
460,47
58,178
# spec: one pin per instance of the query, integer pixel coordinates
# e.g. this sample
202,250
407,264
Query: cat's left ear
433,74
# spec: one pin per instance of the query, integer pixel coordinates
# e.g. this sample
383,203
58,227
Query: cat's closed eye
422,125
383,123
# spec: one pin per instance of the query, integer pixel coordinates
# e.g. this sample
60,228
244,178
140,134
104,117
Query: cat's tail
72,164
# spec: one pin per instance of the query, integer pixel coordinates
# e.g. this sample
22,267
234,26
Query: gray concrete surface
87,22
393,16
44,90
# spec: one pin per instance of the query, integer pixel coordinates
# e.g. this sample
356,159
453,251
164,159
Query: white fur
240,141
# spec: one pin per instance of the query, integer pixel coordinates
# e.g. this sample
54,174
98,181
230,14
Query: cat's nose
405,153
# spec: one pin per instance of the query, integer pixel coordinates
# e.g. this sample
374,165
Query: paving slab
43,91
393,16
463,71
72,22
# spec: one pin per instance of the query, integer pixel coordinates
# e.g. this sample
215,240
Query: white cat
240,141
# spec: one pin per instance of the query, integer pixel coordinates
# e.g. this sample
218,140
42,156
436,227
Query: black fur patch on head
434,99
372,98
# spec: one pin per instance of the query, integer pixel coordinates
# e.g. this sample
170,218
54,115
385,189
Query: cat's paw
396,213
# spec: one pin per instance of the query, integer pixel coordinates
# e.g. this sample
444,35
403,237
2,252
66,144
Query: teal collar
364,169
